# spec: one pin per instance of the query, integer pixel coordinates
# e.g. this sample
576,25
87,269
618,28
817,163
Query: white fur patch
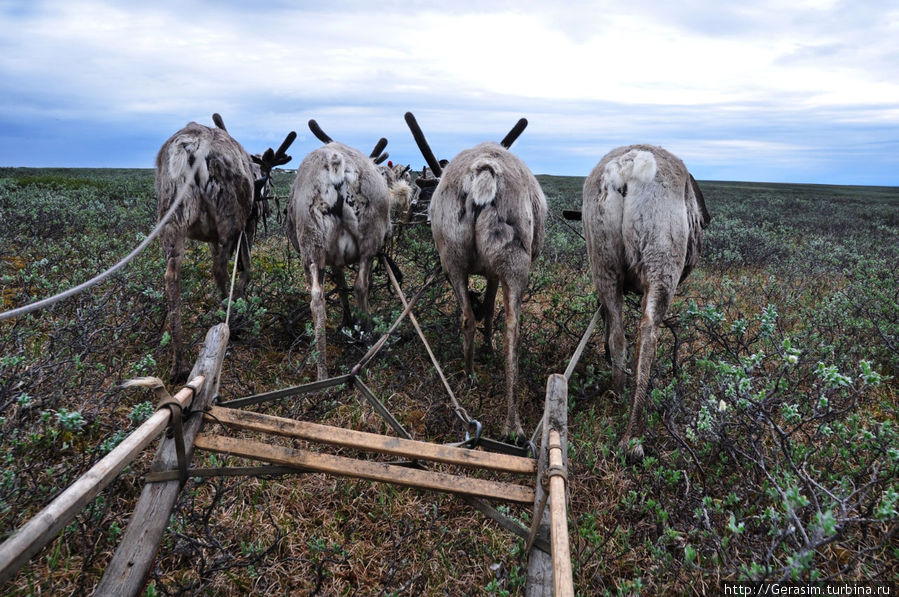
644,166
336,168
634,166
481,181
400,195
180,169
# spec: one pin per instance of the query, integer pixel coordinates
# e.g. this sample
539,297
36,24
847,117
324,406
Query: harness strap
555,470
177,432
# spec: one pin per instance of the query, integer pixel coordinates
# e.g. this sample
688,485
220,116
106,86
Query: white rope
42,304
233,276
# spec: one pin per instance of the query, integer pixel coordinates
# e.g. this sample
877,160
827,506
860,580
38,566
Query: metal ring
471,442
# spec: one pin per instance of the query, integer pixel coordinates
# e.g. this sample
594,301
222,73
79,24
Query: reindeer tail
635,166
188,152
482,181
400,196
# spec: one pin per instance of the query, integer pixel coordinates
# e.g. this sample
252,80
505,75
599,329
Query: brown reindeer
488,217
338,214
643,217
224,188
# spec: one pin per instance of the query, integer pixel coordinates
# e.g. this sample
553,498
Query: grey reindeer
338,214
643,217
225,189
488,216
402,193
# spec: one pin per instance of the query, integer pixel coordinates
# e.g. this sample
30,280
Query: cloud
741,86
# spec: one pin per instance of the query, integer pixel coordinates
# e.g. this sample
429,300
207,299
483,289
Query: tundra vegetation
771,445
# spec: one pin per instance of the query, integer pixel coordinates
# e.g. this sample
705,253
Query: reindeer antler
280,157
379,147
271,158
519,127
423,145
217,119
381,158
318,132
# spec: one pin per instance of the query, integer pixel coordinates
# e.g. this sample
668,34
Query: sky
803,91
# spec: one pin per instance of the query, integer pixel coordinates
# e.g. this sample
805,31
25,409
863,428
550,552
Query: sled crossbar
363,469
371,442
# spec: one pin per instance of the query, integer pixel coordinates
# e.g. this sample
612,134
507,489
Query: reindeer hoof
516,438
514,434
633,447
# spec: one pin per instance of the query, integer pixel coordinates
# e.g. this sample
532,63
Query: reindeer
643,217
225,186
338,214
402,193
488,218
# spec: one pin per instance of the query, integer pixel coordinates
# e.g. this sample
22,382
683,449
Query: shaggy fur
338,214
488,217
402,193
643,217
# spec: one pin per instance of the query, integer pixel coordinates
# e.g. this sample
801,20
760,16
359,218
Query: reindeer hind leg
339,277
489,307
220,267
512,290
173,247
315,275
244,265
655,304
361,287
459,281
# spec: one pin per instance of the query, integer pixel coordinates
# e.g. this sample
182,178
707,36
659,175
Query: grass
773,449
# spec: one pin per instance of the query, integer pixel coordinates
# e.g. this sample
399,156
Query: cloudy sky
799,91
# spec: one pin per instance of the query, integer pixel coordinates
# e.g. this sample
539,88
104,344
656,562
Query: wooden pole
562,581
541,578
127,572
46,524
